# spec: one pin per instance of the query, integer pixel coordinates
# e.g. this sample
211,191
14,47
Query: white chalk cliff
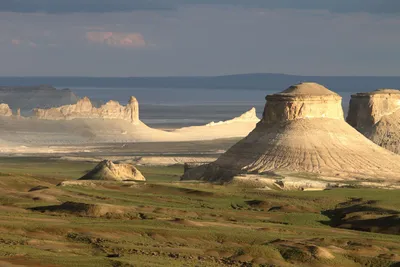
110,123
84,109
377,116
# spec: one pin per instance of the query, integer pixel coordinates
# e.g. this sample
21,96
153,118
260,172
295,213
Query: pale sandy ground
146,153
120,140
32,132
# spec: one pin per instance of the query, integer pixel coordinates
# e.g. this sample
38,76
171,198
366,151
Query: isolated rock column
134,110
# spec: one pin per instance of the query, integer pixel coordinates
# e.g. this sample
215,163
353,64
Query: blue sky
194,37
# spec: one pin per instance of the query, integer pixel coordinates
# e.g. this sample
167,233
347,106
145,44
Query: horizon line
199,76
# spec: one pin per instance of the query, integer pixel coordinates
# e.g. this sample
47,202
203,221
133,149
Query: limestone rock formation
5,110
109,171
303,130
84,109
377,116
249,116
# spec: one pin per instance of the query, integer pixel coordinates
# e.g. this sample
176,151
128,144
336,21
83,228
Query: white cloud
117,39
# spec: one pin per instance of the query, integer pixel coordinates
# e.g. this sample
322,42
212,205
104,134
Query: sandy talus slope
377,116
236,127
303,130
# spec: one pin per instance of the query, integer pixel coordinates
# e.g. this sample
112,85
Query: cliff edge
377,116
84,109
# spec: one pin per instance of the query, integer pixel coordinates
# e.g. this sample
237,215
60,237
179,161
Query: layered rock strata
377,116
303,130
84,109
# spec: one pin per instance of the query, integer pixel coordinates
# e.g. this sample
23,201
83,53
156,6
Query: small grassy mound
89,210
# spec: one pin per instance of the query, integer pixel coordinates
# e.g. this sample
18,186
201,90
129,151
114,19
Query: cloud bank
101,6
116,39
200,40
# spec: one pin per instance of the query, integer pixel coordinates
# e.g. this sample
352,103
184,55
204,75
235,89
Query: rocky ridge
84,109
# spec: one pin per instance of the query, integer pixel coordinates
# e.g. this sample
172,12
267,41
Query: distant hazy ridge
240,81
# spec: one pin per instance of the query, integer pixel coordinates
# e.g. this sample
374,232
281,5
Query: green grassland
170,223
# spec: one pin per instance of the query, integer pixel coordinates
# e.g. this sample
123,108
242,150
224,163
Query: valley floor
164,222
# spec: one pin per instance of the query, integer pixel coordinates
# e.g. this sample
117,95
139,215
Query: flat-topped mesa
5,110
84,109
302,101
303,130
367,109
377,116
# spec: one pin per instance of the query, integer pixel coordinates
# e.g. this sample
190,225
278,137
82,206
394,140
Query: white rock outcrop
5,110
367,109
84,109
377,116
308,100
303,131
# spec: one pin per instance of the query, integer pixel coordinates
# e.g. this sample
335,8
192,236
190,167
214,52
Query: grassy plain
164,222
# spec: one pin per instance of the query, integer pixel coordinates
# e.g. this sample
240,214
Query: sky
199,37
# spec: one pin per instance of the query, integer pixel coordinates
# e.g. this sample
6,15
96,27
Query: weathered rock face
85,110
377,116
308,100
303,130
5,110
109,171
366,109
